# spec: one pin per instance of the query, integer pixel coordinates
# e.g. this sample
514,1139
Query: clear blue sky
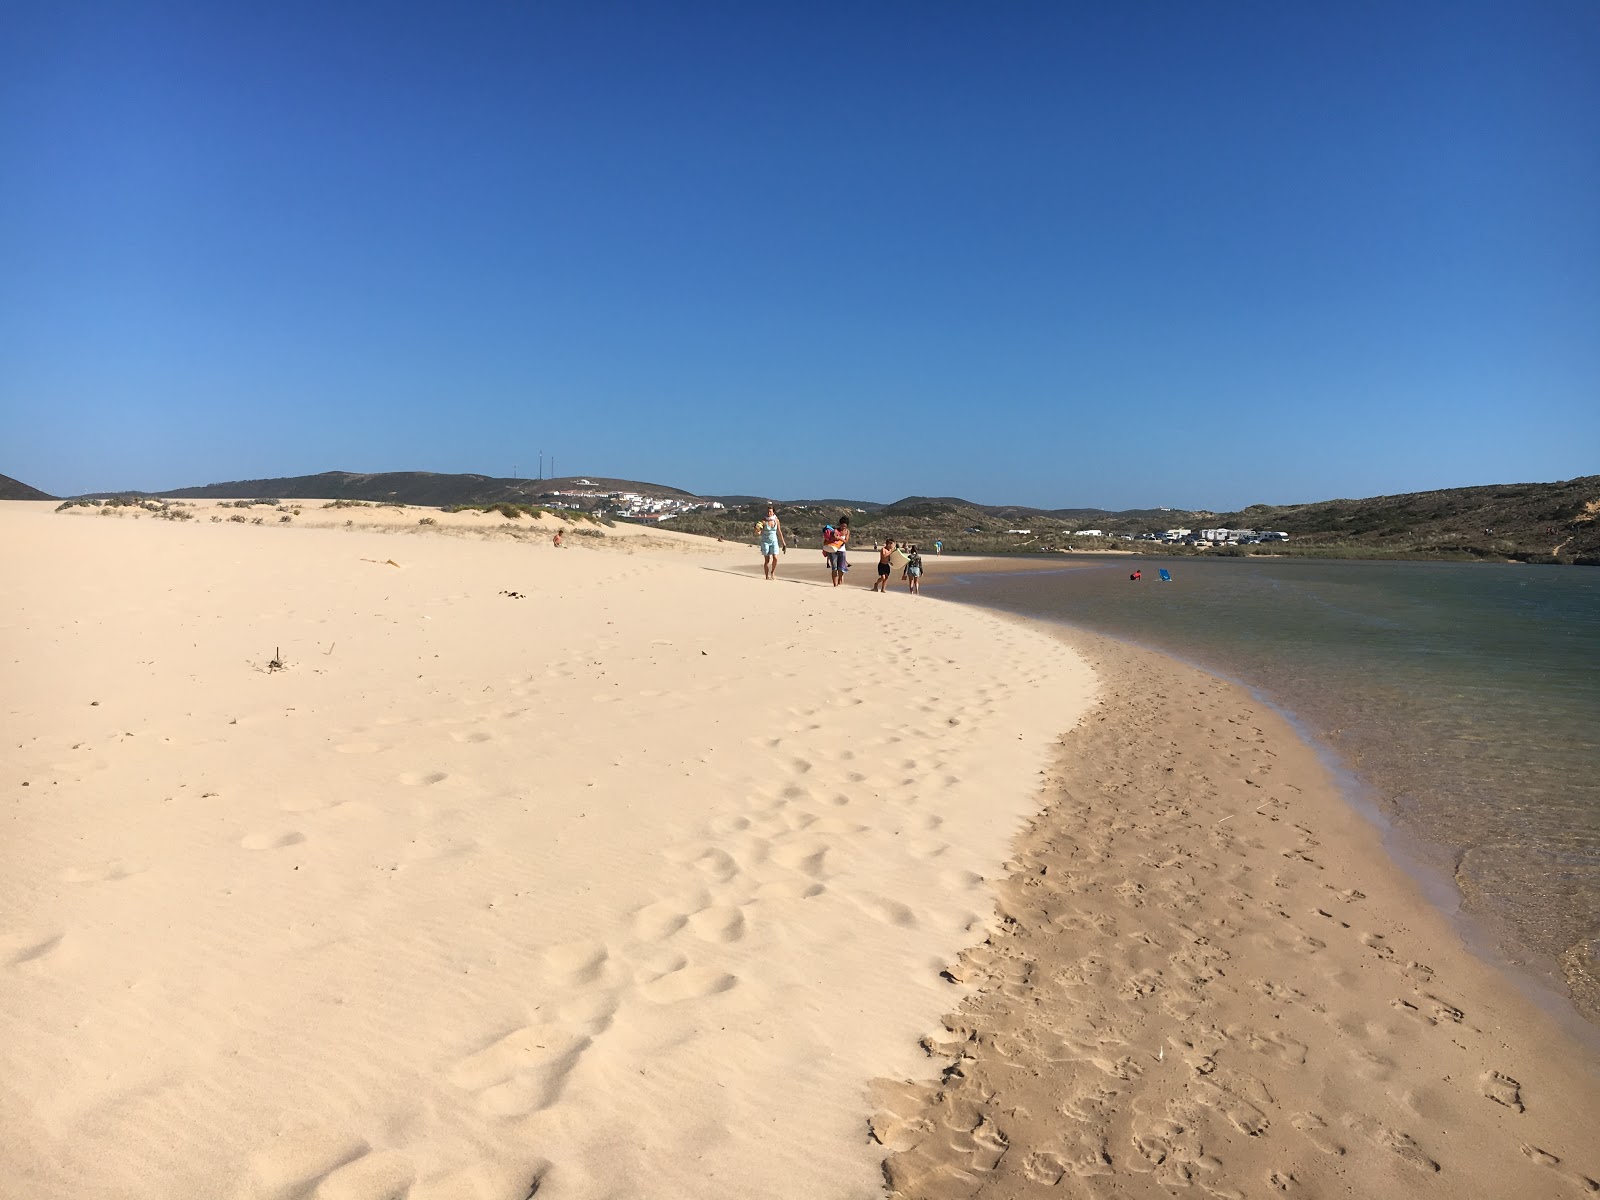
1193,254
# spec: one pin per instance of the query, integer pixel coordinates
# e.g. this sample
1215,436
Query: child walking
913,572
885,553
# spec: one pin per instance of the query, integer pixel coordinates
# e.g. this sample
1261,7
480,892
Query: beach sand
615,871
624,885
1210,977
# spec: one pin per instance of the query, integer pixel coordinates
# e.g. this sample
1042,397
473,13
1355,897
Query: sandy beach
382,859
602,869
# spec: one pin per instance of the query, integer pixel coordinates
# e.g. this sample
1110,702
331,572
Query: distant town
632,506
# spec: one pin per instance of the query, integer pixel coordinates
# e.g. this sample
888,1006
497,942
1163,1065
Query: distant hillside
15,489
412,487
1535,522
1503,520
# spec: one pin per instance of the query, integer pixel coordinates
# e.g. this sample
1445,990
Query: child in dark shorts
885,553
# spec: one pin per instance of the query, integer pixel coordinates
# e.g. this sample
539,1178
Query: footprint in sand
522,1072
1401,1144
657,922
422,778
108,872
687,983
379,1175
1502,1089
296,1161
789,889
31,949
1044,1167
592,1012
1317,1132
272,841
577,962
655,963
891,912
474,737
716,864
720,923
806,855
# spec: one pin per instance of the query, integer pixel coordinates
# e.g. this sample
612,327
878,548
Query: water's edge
1538,977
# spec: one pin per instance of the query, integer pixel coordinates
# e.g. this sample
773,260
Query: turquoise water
1464,699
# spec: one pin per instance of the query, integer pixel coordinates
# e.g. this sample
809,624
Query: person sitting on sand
913,572
771,538
885,553
556,541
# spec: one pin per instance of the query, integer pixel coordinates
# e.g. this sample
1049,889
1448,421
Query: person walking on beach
913,572
771,539
885,553
837,564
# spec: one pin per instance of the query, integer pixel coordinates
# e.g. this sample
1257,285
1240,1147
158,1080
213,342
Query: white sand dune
623,887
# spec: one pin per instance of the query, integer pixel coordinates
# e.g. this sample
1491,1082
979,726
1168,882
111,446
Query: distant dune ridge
1536,522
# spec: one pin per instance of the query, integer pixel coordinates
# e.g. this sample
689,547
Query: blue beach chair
1166,575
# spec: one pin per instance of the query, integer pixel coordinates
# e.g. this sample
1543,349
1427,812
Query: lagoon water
1464,699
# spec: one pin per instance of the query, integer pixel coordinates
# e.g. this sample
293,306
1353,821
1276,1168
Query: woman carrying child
834,541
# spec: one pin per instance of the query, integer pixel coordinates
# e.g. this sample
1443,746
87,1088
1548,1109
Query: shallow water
1464,698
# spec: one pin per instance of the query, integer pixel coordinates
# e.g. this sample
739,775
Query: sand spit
1210,979
349,865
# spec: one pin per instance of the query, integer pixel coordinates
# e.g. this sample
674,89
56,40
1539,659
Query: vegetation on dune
164,510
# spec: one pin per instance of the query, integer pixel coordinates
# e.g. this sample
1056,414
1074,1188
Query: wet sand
1209,975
